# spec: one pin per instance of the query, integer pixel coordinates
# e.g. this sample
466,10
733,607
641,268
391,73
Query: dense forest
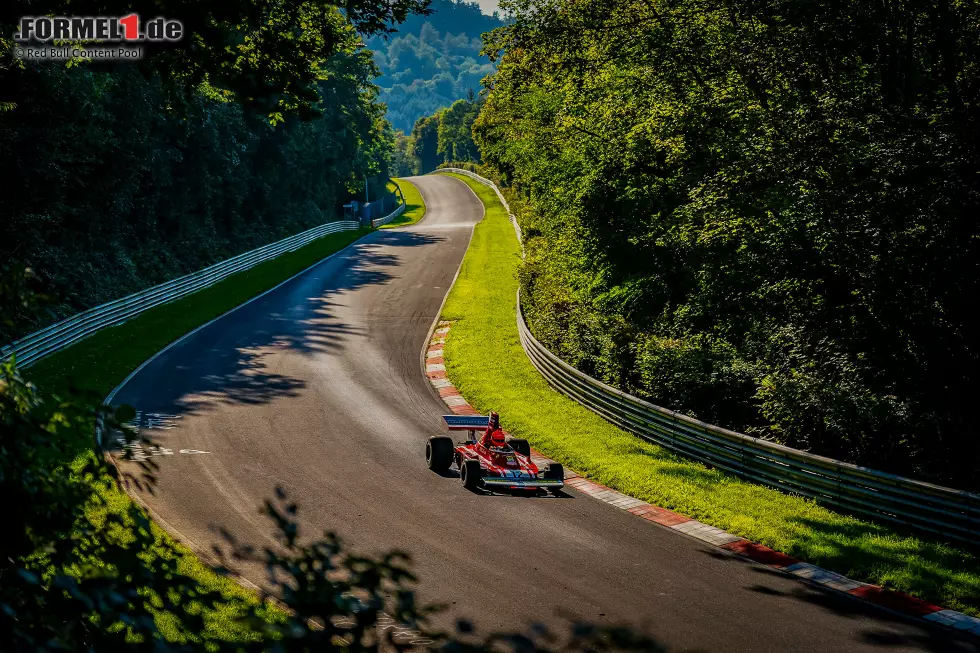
440,139
432,60
760,214
123,180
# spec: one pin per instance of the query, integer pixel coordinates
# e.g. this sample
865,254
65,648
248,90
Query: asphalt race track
318,386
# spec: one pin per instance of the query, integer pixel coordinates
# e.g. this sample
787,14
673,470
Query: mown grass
485,361
415,205
99,363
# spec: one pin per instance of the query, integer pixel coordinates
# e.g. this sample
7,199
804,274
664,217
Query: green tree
455,133
127,179
432,60
425,148
403,162
760,214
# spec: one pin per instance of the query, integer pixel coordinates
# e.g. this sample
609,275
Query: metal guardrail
67,332
388,218
923,506
950,513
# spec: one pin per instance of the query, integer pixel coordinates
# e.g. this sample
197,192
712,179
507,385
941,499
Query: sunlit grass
485,361
415,206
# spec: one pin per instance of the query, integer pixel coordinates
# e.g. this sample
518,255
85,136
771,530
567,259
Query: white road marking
143,421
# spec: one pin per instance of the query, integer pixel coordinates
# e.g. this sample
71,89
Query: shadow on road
232,360
905,633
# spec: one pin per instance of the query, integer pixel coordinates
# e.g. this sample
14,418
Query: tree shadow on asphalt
840,543
896,630
234,360
520,494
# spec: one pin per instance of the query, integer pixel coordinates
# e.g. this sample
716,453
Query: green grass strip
415,205
101,362
485,361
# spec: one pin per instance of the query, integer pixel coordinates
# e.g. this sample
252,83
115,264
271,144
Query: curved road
318,386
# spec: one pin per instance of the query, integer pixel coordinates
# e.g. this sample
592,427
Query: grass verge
99,363
485,361
414,205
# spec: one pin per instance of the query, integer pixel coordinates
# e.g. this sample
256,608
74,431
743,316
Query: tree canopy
267,55
129,175
759,213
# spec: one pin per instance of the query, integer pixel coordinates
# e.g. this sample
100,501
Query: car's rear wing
466,422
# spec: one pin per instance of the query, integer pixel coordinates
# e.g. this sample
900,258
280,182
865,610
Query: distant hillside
432,60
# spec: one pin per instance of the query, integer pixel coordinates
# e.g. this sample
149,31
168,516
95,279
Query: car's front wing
521,483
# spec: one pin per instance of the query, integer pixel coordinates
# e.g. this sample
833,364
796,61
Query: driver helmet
497,438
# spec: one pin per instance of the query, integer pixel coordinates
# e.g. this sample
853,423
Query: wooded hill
432,60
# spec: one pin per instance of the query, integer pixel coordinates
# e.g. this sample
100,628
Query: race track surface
318,387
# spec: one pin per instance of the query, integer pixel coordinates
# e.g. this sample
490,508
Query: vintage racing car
490,462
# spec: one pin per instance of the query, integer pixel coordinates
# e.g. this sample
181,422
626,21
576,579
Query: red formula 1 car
491,461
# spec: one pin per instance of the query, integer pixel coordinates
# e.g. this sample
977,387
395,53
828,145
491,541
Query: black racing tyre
555,470
520,446
471,473
439,452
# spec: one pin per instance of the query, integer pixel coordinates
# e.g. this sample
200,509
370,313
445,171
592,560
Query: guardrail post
838,484
971,521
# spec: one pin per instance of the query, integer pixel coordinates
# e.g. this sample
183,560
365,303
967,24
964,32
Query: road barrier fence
950,513
388,218
63,334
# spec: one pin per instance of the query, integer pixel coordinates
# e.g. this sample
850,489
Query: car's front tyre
471,474
555,471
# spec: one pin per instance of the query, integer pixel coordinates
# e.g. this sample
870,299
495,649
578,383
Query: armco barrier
67,332
950,513
388,218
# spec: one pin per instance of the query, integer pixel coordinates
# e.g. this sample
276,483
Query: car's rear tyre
520,446
471,474
439,453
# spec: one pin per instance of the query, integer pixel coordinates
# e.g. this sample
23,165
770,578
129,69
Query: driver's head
497,438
